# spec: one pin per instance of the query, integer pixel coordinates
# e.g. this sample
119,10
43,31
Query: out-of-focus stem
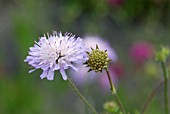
112,88
165,74
81,97
151,95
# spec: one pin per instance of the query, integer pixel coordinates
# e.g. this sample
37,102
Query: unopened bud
98,60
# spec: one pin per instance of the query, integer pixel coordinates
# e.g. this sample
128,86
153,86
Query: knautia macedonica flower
56,52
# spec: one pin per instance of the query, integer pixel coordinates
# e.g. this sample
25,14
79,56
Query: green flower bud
111,107
98,60
162,54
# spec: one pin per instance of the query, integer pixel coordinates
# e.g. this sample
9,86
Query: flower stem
165,74
151,95
81,97
112,88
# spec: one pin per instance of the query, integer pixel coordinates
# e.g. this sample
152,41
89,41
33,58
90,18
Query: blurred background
133,28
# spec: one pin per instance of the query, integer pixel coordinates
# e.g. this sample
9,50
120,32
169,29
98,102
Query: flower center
98,60
60,56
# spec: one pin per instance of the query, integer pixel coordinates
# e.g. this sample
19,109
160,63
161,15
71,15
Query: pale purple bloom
90,41
56,52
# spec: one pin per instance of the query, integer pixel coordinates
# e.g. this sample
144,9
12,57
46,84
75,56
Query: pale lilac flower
56,52
90,41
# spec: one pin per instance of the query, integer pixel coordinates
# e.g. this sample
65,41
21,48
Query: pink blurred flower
118,69
116,3
87,77
141,51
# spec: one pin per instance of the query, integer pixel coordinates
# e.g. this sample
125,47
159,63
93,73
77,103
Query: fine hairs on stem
112,88
81,97
151,95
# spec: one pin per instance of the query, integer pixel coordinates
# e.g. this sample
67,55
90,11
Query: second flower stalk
98,61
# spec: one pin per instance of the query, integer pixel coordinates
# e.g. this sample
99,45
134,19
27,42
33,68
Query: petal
73,67
34,49
33,53
62,71
50,75
44,67
51,65
26,60
32,61
56,67
43,75
32,70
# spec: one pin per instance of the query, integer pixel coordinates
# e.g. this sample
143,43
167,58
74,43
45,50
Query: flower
56,52
98,60
162,54
141,51
91,41
116,3
117,68
111,107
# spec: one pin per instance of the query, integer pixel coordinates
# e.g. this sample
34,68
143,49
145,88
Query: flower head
98,60
111,107
162,54
90,41
141,51
56,52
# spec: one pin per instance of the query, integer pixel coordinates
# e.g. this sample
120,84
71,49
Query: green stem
112,88
81,97
152,94
165,74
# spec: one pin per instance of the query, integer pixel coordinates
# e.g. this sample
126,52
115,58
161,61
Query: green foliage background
23,21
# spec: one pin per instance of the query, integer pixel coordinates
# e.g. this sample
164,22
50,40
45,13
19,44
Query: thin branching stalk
81,97
151,96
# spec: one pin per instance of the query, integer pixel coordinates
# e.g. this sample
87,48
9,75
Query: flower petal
32,70
73,67
63,73
43,75
56,67
50,75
